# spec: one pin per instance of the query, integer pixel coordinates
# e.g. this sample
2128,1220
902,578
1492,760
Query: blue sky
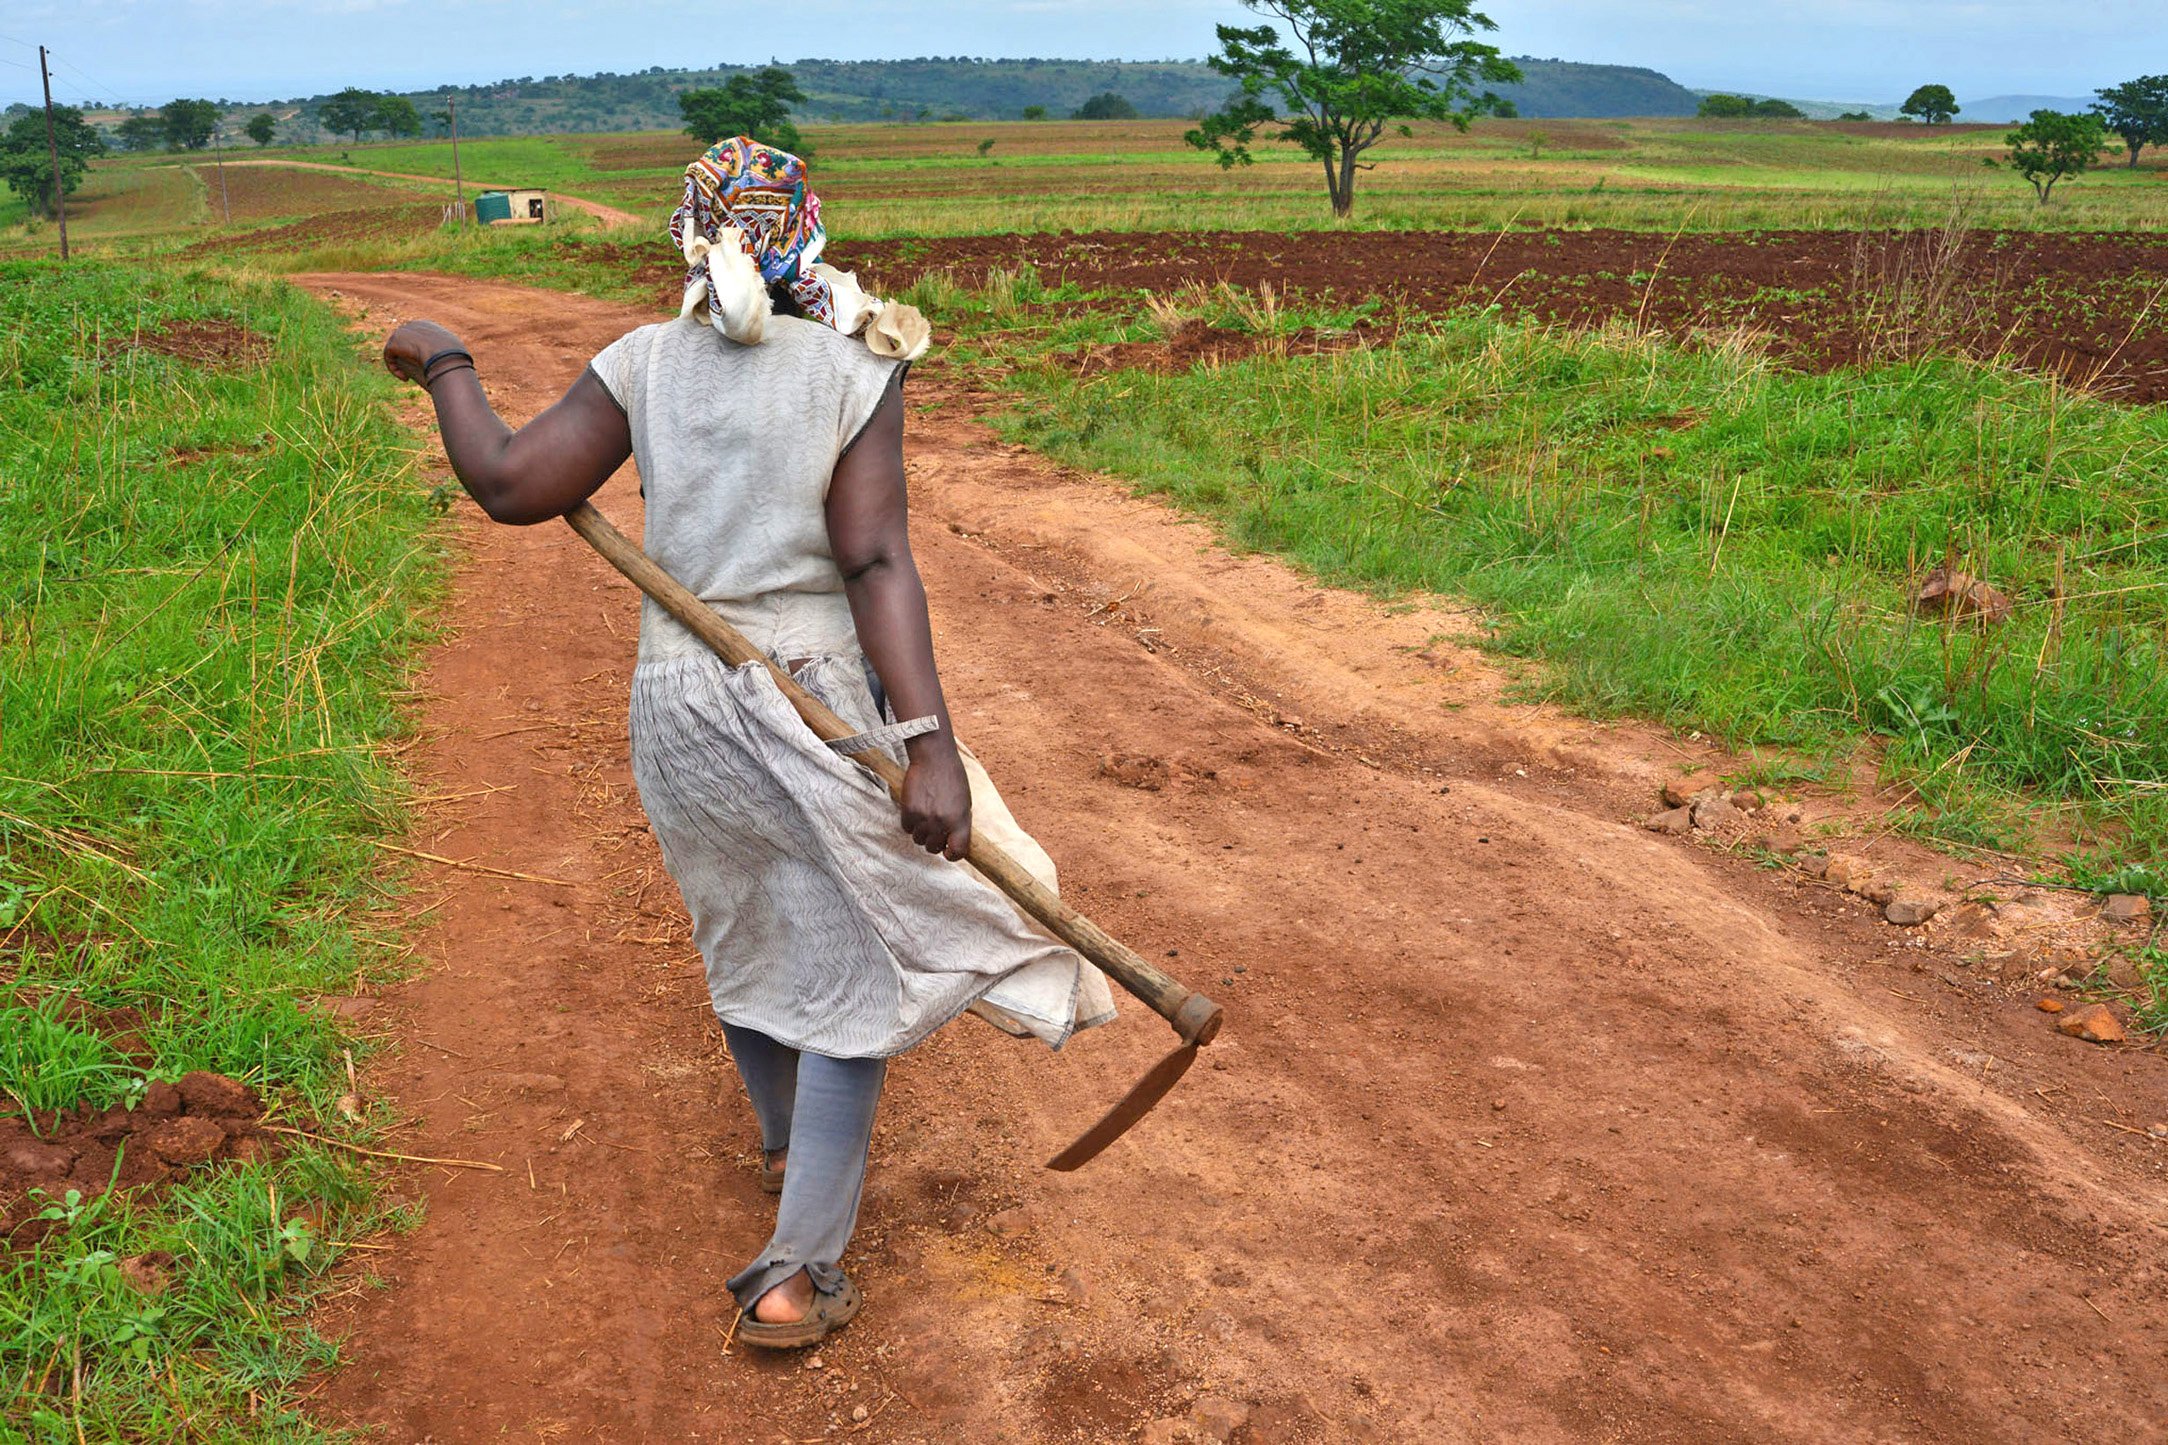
146,51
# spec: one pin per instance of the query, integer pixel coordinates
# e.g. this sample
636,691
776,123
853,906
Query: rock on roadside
2127,908
1674,822
2095,1023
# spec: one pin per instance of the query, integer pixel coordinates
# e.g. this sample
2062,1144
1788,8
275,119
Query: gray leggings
821,1110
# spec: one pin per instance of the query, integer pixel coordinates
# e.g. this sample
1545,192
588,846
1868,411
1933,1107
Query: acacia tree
1934,104
756,105
262,127
2054,145
2136,110
1353,68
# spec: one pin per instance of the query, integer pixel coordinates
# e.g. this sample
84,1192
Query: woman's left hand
937,802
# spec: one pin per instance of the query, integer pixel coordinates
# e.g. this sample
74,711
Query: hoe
1196,1019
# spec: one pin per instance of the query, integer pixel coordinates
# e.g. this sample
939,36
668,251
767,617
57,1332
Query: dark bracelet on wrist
458,359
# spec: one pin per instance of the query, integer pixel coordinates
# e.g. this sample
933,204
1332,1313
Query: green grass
1694,535
212,578
902,180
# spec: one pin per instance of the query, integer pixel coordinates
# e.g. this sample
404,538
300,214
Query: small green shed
524,207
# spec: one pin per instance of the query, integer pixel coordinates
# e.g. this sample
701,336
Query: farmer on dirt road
767,422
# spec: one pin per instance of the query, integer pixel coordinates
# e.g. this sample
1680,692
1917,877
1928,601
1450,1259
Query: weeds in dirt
1701,536
213,574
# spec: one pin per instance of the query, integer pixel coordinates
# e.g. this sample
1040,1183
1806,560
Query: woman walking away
767,422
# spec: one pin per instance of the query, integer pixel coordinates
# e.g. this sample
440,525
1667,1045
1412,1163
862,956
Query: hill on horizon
1997,109
937,88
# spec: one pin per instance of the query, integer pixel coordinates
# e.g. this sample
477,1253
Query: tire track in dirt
1526,1125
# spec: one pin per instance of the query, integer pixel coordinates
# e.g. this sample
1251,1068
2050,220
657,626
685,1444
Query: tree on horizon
189,123
1933,104
1364,65
756,105
2136,110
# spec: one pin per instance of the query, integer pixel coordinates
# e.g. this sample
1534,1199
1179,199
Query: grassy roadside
1691,534
213,569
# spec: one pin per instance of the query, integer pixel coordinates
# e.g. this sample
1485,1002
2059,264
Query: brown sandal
827,1314
771,1180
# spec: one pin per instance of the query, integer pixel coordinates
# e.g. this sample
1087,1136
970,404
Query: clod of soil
220,345
173,1128
1960,594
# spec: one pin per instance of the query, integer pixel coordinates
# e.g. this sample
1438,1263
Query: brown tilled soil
398,222
222,345
2091,308
174,1128
1527,1125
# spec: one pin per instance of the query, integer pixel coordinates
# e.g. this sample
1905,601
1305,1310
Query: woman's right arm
544,469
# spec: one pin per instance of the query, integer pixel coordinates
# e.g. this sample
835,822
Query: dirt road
1527,1125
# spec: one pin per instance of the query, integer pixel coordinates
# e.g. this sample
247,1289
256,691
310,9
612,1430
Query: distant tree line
355,112
928,88
1740,107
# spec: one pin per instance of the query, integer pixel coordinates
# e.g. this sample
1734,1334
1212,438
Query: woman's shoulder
825,346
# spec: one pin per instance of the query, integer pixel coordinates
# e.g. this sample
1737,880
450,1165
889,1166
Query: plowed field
2091,308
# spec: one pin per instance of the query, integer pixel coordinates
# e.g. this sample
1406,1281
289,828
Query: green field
216,572
1695,535
1646,174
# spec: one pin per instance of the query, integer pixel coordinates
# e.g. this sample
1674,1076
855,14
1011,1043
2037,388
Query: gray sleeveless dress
822,924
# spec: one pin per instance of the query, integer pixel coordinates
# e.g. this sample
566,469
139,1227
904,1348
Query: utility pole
52,149
225,203
459,184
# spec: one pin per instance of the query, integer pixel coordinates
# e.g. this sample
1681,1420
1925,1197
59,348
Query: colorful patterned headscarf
762,192
749,222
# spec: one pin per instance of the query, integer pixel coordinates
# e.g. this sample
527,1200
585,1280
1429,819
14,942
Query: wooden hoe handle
1195,1017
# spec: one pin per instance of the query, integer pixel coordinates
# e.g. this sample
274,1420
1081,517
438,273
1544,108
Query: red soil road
1526,1126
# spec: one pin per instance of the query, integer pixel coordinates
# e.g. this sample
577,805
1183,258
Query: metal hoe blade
1133,1106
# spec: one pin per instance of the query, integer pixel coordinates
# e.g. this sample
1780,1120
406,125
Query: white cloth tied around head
740,304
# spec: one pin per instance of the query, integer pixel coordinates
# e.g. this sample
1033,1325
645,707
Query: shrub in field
1363,65
2053,146
1105,106
214,552
262,128
1740,107
2137,111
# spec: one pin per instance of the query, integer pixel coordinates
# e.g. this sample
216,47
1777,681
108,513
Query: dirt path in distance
608,215
1527,1125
